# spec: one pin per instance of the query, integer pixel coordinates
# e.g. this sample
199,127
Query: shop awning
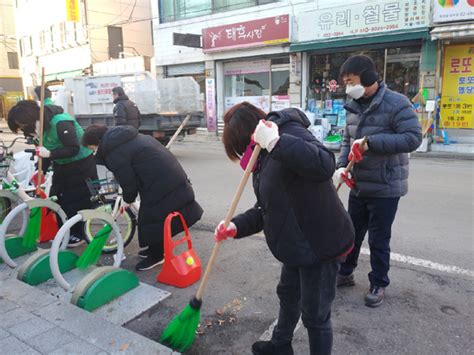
63,75
453,31
360,41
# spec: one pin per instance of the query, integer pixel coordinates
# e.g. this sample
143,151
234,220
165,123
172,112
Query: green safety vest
48,101
51,139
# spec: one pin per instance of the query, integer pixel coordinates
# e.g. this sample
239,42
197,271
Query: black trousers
307,292
69,185
375,215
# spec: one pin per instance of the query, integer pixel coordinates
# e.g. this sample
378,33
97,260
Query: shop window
173,10
257,82
398,67
403,70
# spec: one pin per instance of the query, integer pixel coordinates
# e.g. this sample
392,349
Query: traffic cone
179,270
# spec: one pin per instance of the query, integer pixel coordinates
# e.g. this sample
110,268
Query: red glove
357,149
349,181
221,233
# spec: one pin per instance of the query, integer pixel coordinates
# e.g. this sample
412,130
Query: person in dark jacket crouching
125,111
143,166
305,224
73,163
380,176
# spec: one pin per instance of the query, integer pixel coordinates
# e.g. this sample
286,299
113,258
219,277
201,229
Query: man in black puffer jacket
305,224
143,166
380,176
125,110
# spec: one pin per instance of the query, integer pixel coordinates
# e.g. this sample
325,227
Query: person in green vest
47,95
72,162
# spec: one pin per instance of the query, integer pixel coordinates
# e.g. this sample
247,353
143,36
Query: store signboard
453,10
364,18
211,111
72,10
99,90
267,31
262,102
457,104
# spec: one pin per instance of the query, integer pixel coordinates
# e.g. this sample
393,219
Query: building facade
68,37
246,56
11,88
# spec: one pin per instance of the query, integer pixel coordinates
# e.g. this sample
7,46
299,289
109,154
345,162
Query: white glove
266,135
43,152
125,205
337,175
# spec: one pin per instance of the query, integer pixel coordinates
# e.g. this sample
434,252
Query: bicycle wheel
125,220
5,208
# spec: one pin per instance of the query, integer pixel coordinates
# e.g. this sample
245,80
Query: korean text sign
99,90
453,10
211,111
457,97
362,18
72,10
267,31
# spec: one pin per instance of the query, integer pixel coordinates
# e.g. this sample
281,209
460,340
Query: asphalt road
427,310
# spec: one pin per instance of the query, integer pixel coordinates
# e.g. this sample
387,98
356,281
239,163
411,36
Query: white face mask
355,91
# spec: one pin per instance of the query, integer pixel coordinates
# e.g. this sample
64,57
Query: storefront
251,64
392,33
454,31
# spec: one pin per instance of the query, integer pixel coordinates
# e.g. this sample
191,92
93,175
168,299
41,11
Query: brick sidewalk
34,322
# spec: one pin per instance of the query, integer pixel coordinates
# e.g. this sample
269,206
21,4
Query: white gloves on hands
43,152
266,135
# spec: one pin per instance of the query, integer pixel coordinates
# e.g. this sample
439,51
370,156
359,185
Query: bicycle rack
11,248
101,285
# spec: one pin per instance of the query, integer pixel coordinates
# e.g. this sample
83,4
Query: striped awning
453,31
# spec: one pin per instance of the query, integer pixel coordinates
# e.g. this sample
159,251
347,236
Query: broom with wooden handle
180,332
178,131
41,130
32,233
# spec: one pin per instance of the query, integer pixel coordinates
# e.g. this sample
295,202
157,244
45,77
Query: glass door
280,86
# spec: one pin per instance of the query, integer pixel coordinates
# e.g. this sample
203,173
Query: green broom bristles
93,251
32,233
180,332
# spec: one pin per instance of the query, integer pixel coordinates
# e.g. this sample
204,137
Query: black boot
267,348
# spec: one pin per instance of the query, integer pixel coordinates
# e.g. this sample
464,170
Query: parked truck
163,103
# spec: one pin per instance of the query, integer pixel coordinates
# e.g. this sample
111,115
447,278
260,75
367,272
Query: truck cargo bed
167,123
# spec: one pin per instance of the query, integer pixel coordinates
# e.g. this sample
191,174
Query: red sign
267,31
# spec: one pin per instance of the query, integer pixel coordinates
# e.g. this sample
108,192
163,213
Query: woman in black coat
305,224
143,166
